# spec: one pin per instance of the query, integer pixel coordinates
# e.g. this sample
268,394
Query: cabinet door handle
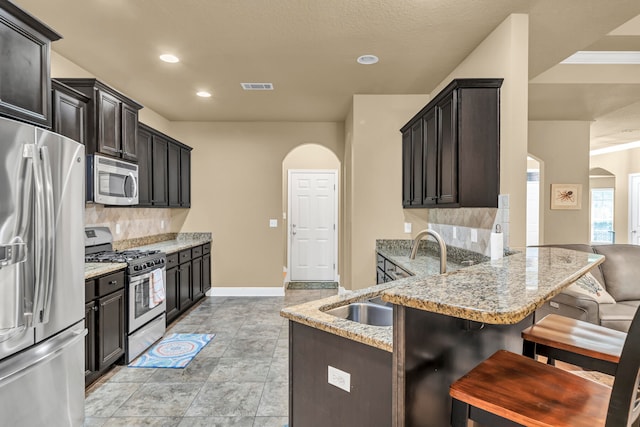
95,308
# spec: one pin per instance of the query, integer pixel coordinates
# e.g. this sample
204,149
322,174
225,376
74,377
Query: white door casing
634,209
312,225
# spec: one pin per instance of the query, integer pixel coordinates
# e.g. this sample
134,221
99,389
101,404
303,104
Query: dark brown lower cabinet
105,322
206,272
111,340
313,402
196,279
172,284
188,279
186,296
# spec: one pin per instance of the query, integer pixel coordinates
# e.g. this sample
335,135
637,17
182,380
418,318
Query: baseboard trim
277,291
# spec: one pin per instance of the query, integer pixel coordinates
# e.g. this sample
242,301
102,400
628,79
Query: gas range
145,291
98,248
138,261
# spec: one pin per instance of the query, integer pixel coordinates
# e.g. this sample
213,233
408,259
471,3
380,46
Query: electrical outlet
117,228
273,223
474,235
407,227
455,233
162,224
339,378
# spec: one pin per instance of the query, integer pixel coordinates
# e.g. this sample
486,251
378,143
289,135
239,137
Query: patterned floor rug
174,351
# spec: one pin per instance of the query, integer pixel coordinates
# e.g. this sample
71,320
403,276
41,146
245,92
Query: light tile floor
239,379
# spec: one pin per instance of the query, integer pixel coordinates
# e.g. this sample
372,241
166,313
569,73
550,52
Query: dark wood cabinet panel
112,122
129,132
25,84
111,329
186,297
173,172
455,160
159,150
370,399
172,285
448,151
407,165
197,288
108,124
145,178
90,367
206,272
185,177
69,112
430,158
417,166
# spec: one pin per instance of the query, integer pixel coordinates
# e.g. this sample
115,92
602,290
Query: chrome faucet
438,238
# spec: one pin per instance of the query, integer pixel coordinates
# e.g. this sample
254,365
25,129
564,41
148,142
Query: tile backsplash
456,226
130,222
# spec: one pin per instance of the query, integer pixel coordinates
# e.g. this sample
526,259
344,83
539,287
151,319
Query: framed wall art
566,196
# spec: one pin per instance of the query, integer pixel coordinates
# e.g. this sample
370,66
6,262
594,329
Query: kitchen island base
431,351
313,402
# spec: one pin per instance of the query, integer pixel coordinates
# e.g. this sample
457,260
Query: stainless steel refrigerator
41,277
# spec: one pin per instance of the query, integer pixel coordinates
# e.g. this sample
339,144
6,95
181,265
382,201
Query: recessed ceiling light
203,94
167,57
603,57
367,59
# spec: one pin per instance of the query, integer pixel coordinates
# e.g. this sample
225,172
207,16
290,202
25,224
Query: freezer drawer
44,385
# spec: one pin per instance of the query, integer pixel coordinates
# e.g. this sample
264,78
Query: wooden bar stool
510,390
584,344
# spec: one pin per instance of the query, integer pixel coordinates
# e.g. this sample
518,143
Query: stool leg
529,349
459,413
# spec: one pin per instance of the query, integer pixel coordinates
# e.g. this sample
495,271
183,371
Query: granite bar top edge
462,296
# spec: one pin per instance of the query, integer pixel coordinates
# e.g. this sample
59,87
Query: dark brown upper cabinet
451,148
145,177
69,112
25,83
113,119
164,170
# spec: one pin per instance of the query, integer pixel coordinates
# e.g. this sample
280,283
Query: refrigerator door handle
43,234
50,234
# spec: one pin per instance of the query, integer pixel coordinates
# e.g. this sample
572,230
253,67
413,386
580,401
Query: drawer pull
113,282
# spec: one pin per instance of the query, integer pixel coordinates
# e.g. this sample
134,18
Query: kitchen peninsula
443,325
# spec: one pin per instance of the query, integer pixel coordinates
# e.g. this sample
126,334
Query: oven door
145,303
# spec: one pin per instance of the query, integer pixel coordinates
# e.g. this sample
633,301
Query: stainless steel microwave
111,181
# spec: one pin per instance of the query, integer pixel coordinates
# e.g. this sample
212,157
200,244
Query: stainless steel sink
365,312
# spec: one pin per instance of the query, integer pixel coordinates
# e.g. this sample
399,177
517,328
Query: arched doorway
311,201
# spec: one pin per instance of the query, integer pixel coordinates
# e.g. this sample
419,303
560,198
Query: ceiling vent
257,86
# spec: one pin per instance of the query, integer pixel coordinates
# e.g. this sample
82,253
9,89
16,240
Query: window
602,216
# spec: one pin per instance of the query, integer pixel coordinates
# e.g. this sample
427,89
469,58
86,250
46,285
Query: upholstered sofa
619,275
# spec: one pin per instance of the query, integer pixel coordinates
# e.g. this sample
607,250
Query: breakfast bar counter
443,325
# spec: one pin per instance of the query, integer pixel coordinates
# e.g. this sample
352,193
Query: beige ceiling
308,50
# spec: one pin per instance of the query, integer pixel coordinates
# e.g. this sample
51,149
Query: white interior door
312,225
634,208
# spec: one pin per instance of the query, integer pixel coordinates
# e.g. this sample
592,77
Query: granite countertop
95,269
504,291
313,313
173,243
